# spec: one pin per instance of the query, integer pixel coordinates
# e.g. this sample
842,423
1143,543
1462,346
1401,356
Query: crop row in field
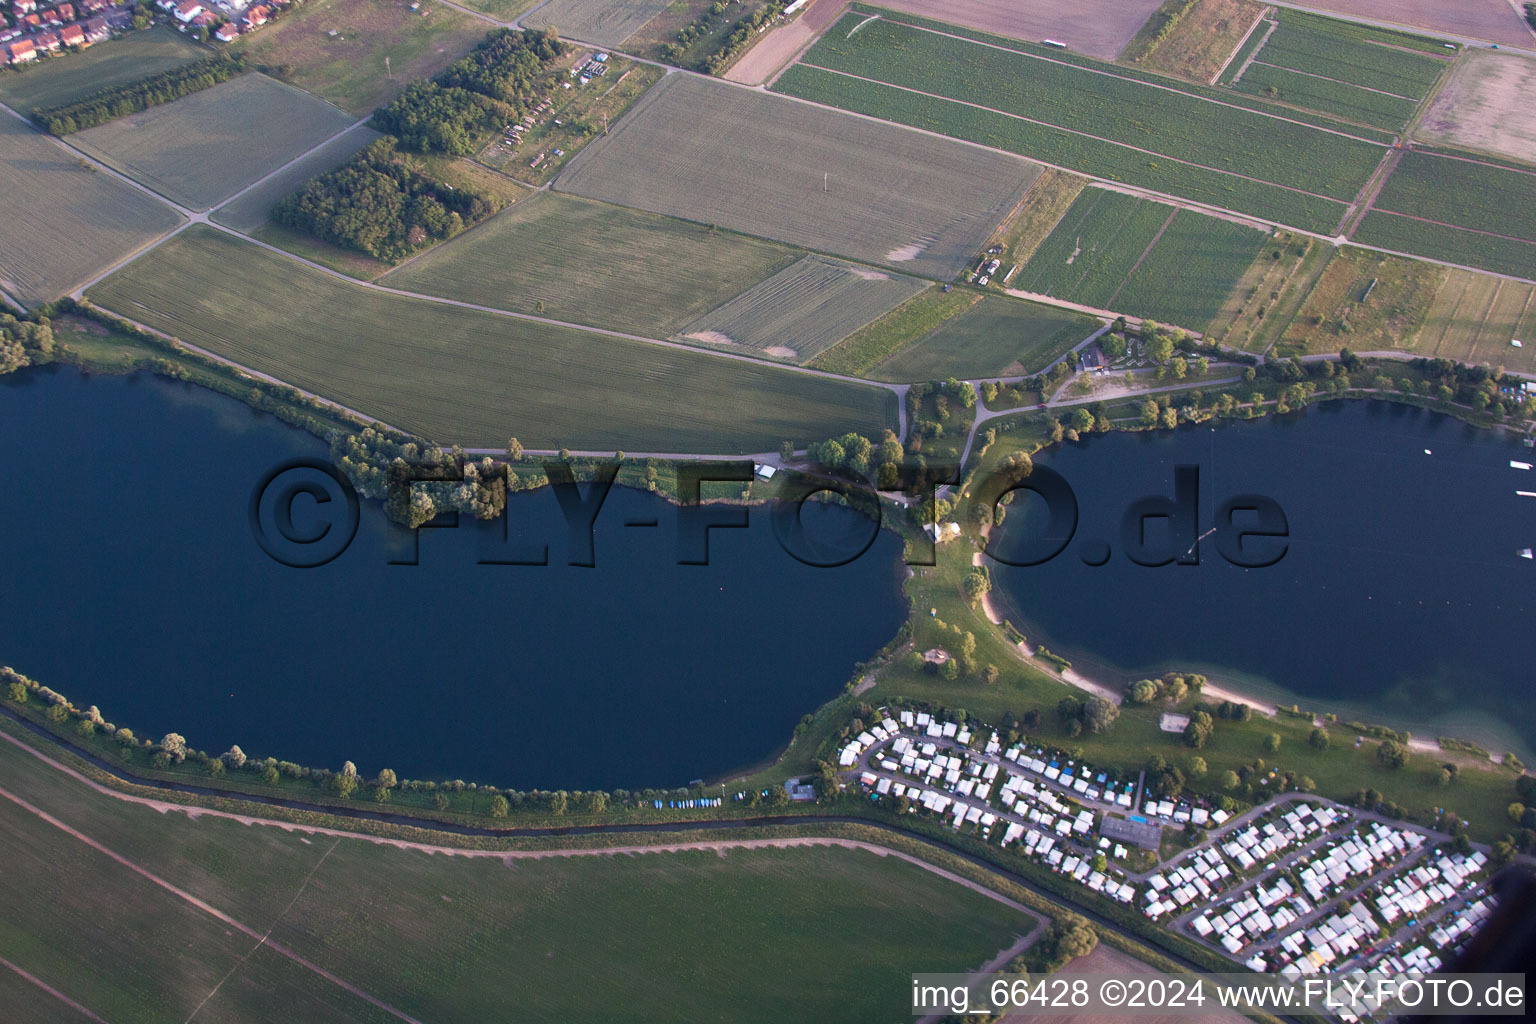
1464,193
463,376
1250,46
729,934
208,145
62,221
1080,153
1315,93
106,65
1147,259
996,337
1091,252
1161,121
765,165
1078,60
604,22
1188,275
1475,317
804,309
1436,241
590,263
1341,51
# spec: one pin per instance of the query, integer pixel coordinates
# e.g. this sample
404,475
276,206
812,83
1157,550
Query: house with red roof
21,51
72,35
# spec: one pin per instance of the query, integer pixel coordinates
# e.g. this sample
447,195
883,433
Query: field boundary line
1337,81
1396,26
1263,15
1473,160
1238,77
1070,131
26,975
1454,227
1142,258
1482,324
199,904
1366,200
354,126
194,812
1134,81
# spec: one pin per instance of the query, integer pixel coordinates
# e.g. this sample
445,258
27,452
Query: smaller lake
1401,596
132,581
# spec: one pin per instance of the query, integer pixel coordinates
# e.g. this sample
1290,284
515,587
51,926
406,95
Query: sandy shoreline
1210,689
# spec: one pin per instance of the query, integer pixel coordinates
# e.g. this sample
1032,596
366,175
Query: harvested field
203,147
996,337
61,223
1493,20
253,209
1474,318
348,68
1487,106
1114,251
1334,315
586,262
112,63
1099,28
1204,38
604,22
779,46
764,165
804,309
462,376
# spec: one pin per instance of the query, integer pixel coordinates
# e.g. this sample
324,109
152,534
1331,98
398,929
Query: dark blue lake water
131,580
1401,595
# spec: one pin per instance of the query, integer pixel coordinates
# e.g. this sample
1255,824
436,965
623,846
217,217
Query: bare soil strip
60,996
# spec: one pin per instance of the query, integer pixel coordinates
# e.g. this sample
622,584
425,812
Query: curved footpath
195,811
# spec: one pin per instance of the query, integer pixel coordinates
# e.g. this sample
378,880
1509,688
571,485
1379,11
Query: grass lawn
997,337
62,222
208,145
661,936
348,68
805,308
461,376
1334,316
806,176
586,262
74,76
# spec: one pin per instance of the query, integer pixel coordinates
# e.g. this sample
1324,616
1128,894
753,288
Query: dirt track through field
1099,28
60,996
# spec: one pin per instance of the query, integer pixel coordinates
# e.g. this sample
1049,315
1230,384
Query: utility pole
387,70
824,180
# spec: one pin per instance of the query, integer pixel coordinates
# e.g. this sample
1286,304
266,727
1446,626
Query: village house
72,35
23,7
187,11
257,16
21,51
227,32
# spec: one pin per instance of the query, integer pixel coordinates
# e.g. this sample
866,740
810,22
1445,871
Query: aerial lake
1401,598
132,581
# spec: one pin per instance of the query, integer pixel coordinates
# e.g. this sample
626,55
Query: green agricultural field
1185,279
1467,248
996,337
1361,55
61,223
1094,247
1102,104
1143,258
115,62
1089,156
1463,193
1378,109
856,354
348,68
253,208
688,935
587,262
603,22
764,165
206,146
474,378
1474,318
804,309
